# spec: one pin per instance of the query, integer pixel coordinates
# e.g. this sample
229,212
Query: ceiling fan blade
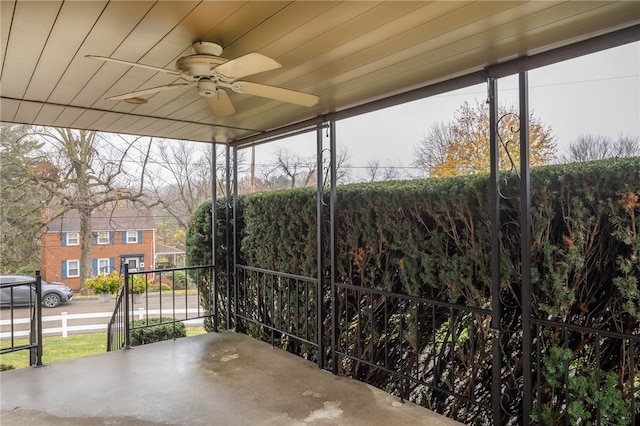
148,91
221,104
134,64
277,93
251,63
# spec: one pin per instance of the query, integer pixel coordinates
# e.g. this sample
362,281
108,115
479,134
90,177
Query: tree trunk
86,242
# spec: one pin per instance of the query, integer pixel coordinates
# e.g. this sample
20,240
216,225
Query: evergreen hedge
431,239
152,330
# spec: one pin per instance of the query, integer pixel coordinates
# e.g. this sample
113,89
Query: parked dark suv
53,293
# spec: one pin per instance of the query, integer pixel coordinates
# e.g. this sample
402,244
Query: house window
73,238
103,237
104,266
132,237
73,268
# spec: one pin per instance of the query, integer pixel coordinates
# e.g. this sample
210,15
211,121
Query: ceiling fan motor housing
206,48
198,65
207,87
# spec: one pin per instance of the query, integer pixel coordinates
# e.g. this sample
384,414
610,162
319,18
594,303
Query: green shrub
153,330
156,286
199,253
585,390
104,283
138,284
180,280
6,367
111,283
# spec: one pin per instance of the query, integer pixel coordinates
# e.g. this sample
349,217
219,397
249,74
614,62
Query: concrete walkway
211,379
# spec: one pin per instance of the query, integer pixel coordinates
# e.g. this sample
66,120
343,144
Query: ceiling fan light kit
136,100
211,74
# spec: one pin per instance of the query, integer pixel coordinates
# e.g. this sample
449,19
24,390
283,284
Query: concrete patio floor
211,379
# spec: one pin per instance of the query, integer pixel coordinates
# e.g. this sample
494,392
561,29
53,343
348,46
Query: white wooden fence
64,318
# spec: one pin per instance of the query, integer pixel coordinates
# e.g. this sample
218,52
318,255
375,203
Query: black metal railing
118,326
440,355
276,305
421,350
177,295
436,354
585,375
32,297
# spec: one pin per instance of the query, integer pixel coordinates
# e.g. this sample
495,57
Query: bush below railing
169,301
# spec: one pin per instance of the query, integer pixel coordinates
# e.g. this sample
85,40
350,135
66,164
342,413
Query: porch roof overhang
162,250
356,56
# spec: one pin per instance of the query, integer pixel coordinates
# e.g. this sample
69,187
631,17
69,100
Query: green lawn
75,346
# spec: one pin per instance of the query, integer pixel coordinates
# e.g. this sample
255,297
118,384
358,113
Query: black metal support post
495,250
235,240
333,203
127,314
213,291
320,243
227,230
35,355
525,248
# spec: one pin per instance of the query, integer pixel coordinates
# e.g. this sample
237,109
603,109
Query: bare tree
290,170
343,167
598,147
378,172
372,170
296,167
432,148
628,146
181,182
82,171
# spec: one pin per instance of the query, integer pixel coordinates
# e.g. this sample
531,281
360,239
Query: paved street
91,304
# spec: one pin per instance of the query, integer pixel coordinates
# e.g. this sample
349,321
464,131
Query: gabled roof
119,219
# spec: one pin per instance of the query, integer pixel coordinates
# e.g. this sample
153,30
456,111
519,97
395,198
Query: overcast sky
597,94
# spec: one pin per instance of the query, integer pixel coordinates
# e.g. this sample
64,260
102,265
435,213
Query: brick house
120,235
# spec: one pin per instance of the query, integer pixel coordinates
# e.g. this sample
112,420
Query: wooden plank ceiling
348,53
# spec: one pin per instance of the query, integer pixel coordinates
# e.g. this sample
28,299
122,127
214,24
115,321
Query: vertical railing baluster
358,323
632,378
386,332
125,289
373,328
538,334
417,339
435,346
567,400
598,405
401,341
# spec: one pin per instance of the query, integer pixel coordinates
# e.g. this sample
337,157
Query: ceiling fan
212,74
